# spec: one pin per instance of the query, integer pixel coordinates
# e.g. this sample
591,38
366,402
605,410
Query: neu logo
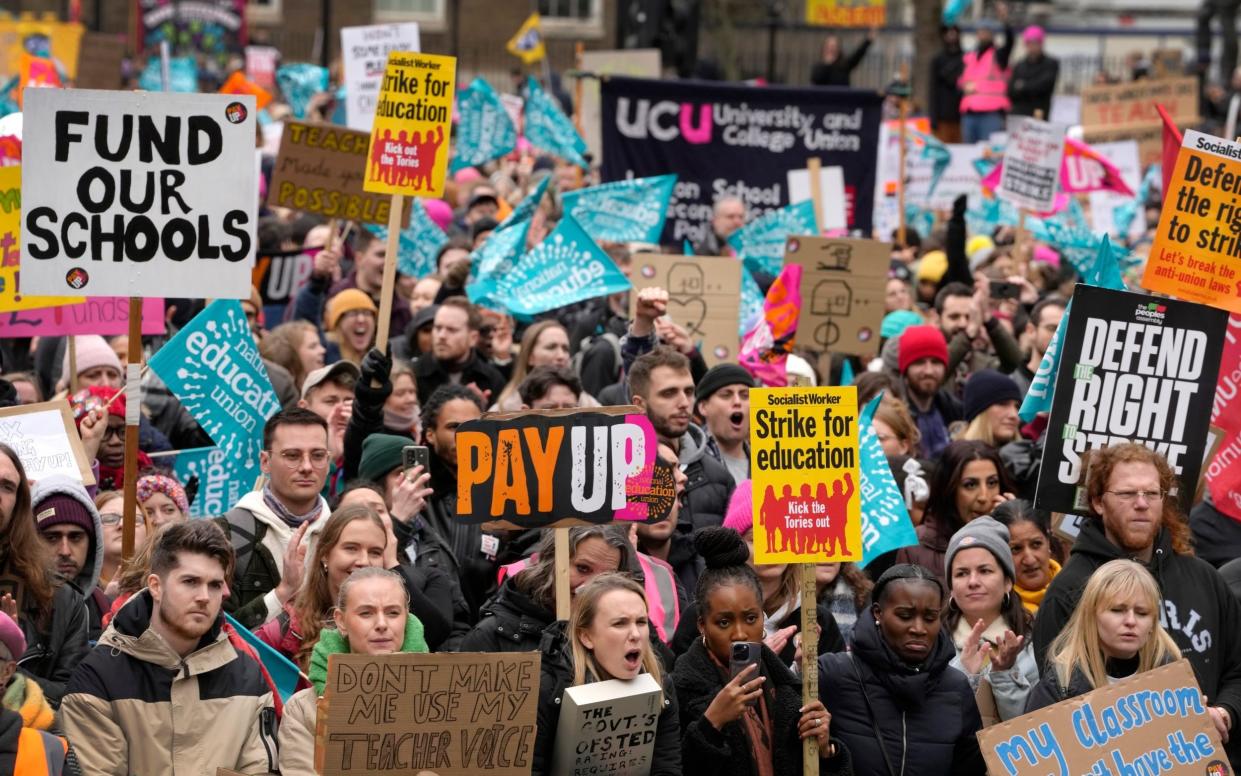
663,120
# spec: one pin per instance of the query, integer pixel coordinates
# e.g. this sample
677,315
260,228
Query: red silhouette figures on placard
426,159
408,160
379,170
808,523
769,516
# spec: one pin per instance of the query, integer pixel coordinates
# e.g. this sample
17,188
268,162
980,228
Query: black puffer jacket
926,714
510,622
711,752
54,647
557,676
708,485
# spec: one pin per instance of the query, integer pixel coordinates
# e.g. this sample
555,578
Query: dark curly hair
441,396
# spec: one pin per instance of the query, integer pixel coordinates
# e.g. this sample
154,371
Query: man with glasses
1136,515
273,529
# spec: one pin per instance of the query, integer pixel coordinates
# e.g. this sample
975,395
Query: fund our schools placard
561,467
804,467
1135,369
1151,723
409,142
1196,254
138,194
1032,162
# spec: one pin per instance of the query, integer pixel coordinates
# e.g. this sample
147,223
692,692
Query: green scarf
332,643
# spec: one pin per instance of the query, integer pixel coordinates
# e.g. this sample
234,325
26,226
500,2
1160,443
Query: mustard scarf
1031,599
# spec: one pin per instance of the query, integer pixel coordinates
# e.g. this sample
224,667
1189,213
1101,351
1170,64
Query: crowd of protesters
114,666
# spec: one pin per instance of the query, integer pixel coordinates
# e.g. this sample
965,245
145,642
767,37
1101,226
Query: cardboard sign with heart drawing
702,298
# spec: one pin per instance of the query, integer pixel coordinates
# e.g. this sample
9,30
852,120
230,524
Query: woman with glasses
110,504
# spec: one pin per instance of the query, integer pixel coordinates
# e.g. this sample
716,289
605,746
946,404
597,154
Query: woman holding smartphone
752,722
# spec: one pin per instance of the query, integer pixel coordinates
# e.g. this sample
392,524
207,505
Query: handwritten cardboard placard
842,288
46,441
1154,722
702,298
320,169
1117,105
547,468
450,714
105,316
804,465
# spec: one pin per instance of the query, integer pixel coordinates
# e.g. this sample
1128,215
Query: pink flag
1082,170
765,348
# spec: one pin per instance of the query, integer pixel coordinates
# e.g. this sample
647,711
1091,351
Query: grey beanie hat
985,532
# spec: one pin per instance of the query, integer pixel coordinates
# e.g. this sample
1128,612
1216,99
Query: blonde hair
979,430
1077,646
585,607
896,415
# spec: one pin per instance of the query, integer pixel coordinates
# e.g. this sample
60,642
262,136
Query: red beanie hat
919,342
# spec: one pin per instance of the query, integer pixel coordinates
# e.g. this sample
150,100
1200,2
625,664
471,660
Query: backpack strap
870,712
244,533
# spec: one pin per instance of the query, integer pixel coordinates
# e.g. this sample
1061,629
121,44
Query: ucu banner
725,140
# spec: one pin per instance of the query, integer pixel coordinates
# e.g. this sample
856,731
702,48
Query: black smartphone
745,653
1001,289
415,455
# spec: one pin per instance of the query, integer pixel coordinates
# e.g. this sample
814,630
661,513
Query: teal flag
1104,272
495,257
485,131
299,82
623,211
846,373
751,302
885,519
283,672
566,267
761,242
418,245
932,149
549,129
222,479
182,75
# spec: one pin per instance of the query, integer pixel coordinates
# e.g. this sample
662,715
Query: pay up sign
123,192
1032,163
1135,369
560,468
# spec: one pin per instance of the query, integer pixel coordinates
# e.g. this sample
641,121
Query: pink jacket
990,83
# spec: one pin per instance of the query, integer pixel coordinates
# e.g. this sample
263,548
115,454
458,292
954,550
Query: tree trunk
927,15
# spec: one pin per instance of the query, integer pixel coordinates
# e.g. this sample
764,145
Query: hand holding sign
652,304
8,605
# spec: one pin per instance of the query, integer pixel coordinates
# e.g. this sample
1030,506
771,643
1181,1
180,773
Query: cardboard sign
409,143
10,248
100,60
1127,104
702,298
1032,163
1135,369
804,466
104,316
561,467
138,194
1155,722
320,169
608,727
1196,254
842,288
364,51
46,441
408,713
846,13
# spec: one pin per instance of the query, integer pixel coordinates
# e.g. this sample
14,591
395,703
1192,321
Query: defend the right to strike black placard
1135,368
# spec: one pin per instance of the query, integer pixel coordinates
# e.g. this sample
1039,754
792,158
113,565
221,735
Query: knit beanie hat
161,483
979,249
740,513
932,266
919,342
985,388
93,351
895,322
11,637
722,376
986,532
346,301
381,453
59,509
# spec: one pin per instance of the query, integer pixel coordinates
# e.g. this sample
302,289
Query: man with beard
1130,490
165,685
1040,328
976,339
662,386
71,526
923,362
454,358
722,400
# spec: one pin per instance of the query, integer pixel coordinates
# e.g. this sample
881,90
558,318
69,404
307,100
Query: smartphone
744,653
1003,290
415,455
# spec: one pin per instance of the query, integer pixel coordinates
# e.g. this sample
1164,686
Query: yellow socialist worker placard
804,471
409,140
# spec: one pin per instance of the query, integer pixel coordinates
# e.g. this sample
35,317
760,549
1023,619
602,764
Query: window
577,18
426,12
263,11
579,10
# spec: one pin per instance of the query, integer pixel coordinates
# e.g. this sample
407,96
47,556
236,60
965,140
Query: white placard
138,194
1031,175
832,189
46,441
1123,154
365,54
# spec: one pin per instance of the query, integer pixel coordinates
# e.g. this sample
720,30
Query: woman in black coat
895,702
728,723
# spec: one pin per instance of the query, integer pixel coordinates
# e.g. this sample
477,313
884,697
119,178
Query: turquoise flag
1124,215
418,245
761,242
846,373
566,267
885,520
495,257
549,129
182,75
623,211
930,148
283,672
299,82
751,302
222,479
485,131
214,368
1103,272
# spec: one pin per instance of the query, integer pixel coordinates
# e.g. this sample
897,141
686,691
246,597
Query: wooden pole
815,168
133,412
73,364
385,298
578,50
809,660
563,594
900,174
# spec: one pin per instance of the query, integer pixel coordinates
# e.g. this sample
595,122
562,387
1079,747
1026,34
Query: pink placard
106,316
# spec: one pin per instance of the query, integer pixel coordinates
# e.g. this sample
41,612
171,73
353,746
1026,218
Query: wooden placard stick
900,173
815,168
73,364
809,660
389,284
133,413
563,593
